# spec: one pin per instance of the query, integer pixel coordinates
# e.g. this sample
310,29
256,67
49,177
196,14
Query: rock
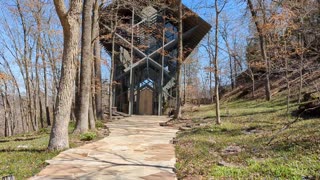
164,124
310,105
230,150
171,112
10,177
22,146
174,141
106,132
251,130
226,164
184,128
309,178
203,124
311,96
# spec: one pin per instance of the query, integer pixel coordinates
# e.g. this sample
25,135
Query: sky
234,12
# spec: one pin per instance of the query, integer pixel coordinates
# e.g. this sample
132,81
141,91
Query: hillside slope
240,148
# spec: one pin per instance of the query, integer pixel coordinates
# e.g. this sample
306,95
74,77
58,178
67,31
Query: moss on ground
293,154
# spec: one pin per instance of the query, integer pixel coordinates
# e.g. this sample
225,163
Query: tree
25,65
210,69
97,61
114,25
85,70
216,62
262,41
232,65
8,124
177,114
70,21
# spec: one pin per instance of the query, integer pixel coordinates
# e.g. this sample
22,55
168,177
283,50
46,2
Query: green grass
294,153
24,159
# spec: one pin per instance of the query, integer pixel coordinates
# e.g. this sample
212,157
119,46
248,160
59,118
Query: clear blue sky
233,11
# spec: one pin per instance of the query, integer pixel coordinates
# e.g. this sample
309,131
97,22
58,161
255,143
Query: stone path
137,148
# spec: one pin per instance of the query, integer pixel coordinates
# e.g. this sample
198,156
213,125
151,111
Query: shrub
99,124
88,136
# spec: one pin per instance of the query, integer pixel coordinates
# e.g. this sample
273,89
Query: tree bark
92,119
301,71
287,77
37,15
8,129
185,84
85,70
112,63
15,82
25,66
97,61
177,114
262,48
216,63
225,38
70,21
111,77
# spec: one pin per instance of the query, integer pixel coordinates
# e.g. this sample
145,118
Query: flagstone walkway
137,148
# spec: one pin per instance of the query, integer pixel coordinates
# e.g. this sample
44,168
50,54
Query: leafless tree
218,10
262,40
70,21
85,70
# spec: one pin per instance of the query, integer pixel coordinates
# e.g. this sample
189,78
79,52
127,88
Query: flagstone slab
137,148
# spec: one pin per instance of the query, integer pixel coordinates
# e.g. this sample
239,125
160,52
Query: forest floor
24,155
240,148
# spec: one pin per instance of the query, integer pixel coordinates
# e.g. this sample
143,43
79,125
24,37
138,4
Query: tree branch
60,8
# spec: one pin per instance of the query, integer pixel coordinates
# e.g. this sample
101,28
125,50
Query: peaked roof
194,27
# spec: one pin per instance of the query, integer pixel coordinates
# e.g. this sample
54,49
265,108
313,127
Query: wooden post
160,100
138,98
131,71
162,70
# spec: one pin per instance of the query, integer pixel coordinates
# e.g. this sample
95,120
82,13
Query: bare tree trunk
113,29
224,35
210,53
26,65
37,15
85,70
300,71
38,92
253,83
23,120
76,102
262,48
231,73
92,119
92,114
46,98
97,61
177,114
111,77
235,72
287,78
70,21
185,83
7,111
216,63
